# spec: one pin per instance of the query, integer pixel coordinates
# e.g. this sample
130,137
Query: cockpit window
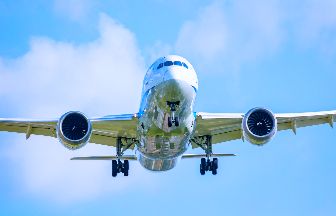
185,65
178,63
160,66
168,63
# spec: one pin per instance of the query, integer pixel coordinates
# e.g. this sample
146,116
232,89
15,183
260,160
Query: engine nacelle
259,126
74,130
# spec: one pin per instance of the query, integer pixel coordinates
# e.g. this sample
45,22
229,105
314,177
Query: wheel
170,122
177,122
214,171
203,166
114,168
126,173
202,171
215,163
126,166
203,163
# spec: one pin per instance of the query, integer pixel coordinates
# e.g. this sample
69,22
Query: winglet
293,124
29,131
331,120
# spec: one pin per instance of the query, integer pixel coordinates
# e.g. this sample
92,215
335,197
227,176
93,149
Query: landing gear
207,164
119,166
172,119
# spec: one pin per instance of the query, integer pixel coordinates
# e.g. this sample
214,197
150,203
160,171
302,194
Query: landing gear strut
207,164
119,166
172,119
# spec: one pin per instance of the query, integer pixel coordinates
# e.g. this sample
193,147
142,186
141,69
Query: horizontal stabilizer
189,156
133,157
124,157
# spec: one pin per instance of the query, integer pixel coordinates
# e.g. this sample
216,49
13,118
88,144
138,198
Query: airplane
166,124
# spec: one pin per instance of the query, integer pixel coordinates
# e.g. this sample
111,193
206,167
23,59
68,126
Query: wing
105,130
227,126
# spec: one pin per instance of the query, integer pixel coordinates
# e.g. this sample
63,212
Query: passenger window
184,65
168,63
160,66
178,63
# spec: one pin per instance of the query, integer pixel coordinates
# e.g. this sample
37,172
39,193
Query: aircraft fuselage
167,119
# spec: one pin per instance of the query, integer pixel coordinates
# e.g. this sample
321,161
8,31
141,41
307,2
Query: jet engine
74,130
259,126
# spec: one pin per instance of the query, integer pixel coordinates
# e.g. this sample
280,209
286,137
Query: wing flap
225,127
105,129
293,121
217,123
116,125
28,127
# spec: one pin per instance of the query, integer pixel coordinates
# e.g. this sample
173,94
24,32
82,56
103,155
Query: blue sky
91,56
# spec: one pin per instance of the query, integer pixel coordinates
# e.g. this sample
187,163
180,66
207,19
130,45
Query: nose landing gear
172,119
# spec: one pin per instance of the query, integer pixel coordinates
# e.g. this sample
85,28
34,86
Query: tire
170,124
177,122
215,163
114,168
126,173
203,162
126,166
214,171
202,166
202,171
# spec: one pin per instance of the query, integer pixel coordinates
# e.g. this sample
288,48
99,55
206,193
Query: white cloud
316,25
233,33
76,10
238,32
62,76
158,49
100,77
206,36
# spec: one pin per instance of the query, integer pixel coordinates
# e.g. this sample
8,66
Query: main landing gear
207,164
119,166
172,119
